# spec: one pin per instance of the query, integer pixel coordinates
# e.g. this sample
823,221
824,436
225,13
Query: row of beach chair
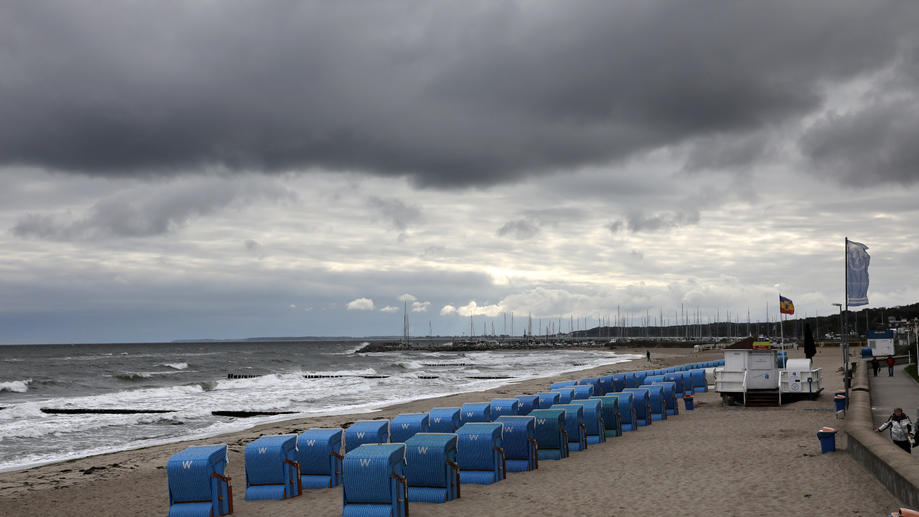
383,465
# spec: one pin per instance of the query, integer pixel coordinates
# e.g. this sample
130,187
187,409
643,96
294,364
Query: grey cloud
448,93
148,211
397,212
520,229
876,143
640,222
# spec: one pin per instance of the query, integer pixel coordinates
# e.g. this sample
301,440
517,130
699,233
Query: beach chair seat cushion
191,510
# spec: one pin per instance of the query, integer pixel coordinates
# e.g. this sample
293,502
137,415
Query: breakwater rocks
478,346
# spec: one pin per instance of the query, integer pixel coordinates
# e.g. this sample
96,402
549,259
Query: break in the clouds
445,92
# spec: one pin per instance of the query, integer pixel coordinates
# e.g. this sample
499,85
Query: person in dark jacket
875,365
810,349
890,366
901,429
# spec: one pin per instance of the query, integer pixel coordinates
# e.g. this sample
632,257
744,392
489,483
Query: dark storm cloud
876,143
449,93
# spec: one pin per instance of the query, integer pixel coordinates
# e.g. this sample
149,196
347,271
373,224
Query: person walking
901,429
875,365
890,366
648,355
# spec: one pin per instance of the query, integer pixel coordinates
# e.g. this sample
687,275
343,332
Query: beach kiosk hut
594,427
548,399
480,453
565,395
374,481
527,403
197,485
551,438
519,443
610,412
431,468
444,419
319,453
475,412
574,426
500,407
272,471
366,431
641,402
407,425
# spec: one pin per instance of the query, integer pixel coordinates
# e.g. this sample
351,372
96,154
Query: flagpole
845,325
781,321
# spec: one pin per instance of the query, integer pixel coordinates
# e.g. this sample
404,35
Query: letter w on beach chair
501,407
405,426
197,486
480,453
574,426
444,419
432,471
475,412
593,420
610,412
374,481
366,431
526,404
520,447
319,456
551,438
271,468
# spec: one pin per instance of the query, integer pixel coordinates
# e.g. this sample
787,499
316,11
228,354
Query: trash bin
840,401
687,401
827,436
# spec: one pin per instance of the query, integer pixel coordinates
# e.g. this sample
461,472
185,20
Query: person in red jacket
890,366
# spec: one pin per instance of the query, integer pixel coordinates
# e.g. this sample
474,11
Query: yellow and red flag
786,306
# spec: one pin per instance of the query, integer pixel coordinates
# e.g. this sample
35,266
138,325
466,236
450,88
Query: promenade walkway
890,392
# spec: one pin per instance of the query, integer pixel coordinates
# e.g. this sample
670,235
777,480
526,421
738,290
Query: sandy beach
714,460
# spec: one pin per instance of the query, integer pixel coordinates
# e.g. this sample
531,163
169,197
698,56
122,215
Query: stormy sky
179,170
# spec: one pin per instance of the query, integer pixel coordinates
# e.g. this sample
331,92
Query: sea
191,380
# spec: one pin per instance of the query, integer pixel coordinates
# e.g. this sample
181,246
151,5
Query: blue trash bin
688,402
827,437
840,401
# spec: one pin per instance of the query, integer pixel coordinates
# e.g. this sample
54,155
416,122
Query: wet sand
711,461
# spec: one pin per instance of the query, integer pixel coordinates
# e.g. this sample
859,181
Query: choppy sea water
191,380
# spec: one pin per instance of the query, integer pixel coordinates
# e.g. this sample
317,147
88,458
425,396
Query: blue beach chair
631,380
565,395
641,402
475,412
583,392
480,453
527,403
551,438
591,381
548,399
574,426
444,419
407,425
520,443
627,417
366,431
562,384
272,471
605,384
319,453
197,486
656,401
618,382
594,427
432,471
677,379
610,412
501,407
670,397
699,384
374,481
